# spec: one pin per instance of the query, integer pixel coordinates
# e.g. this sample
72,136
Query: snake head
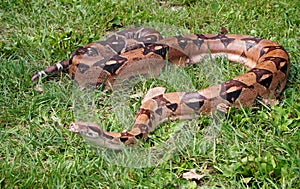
90,130
93,133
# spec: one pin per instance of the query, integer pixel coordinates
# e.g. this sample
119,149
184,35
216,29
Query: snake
136,51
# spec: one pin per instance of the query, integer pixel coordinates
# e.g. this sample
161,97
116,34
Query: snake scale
135,51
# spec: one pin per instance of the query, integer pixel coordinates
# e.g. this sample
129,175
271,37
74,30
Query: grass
255,147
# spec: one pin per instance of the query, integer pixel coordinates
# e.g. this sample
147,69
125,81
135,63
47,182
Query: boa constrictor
133,51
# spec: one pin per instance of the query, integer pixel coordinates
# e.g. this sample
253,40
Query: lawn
254,147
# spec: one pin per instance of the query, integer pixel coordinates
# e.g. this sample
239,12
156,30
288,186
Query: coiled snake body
131,51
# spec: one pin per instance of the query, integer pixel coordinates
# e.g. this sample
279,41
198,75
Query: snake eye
90,134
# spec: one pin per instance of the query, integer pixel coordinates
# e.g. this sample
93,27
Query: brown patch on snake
251,42
281,63
159,49
145,112
114,64
268,49
231,90
114,42
227,41
263,77
198,43
158,111
172,106
193,100
143,128
82,68
182,42
243,54
161,101
222,37
89,51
